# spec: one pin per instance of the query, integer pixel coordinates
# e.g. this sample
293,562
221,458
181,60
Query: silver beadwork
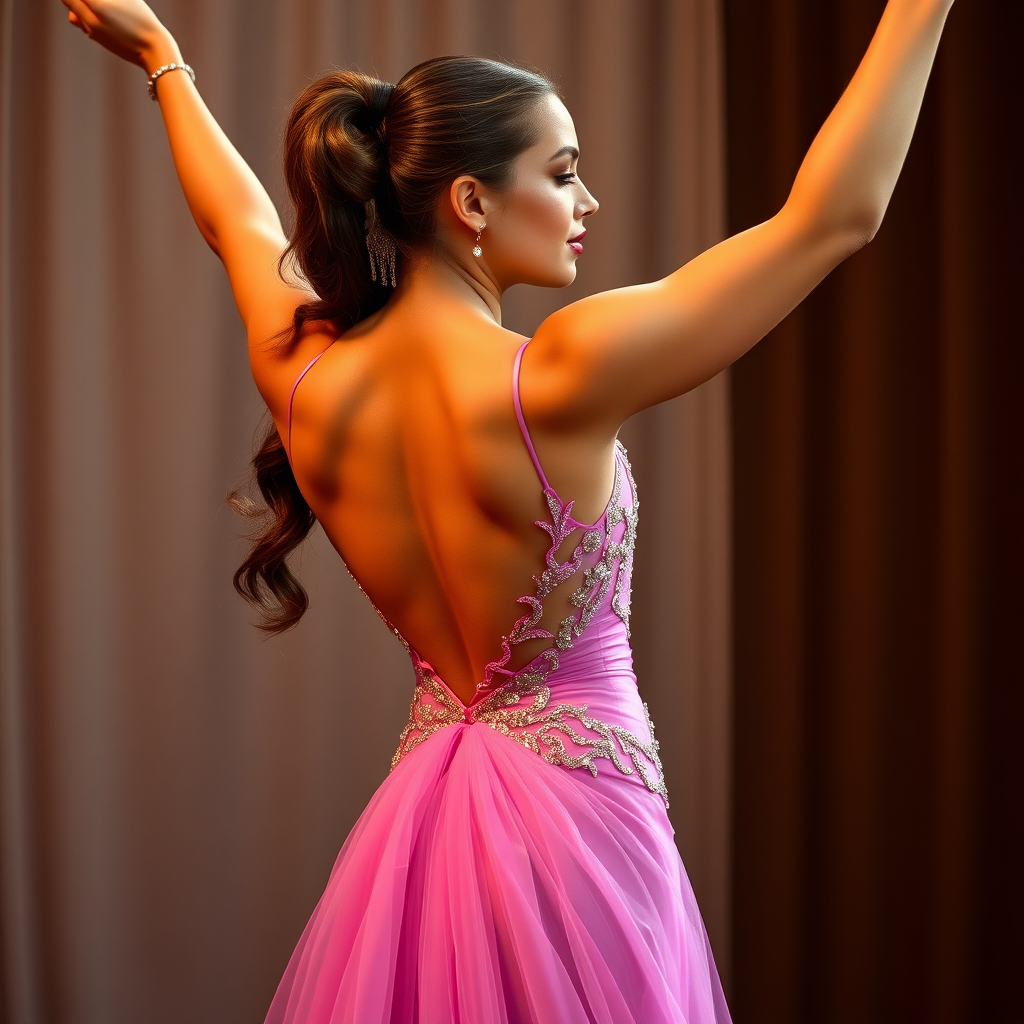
623,579
539,726
151,84
380,246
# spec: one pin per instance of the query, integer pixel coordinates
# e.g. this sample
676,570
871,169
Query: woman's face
533,236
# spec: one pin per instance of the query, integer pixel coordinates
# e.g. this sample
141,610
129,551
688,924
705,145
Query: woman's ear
468,200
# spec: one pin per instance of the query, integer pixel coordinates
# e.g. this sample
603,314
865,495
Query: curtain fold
174,789
878,447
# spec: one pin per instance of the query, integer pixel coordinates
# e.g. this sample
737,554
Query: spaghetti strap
519,416
291,398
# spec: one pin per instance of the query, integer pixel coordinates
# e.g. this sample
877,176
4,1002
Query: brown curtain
174,790
879,449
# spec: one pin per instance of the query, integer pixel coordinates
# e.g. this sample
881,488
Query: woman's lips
576,244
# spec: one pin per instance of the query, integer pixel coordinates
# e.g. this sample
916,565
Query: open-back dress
518,864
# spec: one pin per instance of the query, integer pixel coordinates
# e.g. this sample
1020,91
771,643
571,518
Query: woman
518,863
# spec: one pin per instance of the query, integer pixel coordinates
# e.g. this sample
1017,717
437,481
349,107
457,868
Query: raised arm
230,206
606,357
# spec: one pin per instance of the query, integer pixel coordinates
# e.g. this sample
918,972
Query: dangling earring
477,251
380,246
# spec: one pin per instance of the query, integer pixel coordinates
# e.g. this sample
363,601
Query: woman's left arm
230,206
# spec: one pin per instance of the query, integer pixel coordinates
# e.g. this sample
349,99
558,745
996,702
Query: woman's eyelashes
566,179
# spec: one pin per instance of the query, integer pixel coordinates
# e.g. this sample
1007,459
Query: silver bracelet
151,84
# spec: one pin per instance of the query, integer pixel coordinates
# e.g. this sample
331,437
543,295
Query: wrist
159,49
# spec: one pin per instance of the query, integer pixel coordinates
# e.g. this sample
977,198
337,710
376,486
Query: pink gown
518,864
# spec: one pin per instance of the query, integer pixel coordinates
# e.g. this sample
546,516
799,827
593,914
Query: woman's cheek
546,212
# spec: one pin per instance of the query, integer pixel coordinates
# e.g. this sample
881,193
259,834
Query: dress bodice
576,703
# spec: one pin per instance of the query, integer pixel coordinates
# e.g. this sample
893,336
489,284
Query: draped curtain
879,502
173,789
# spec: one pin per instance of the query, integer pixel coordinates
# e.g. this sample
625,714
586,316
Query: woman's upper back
404,440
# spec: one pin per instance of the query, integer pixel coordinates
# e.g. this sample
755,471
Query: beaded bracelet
151,84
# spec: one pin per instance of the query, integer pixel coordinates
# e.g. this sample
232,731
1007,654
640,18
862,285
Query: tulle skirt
484,885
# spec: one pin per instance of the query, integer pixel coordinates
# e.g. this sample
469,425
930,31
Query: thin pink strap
291,398
522,421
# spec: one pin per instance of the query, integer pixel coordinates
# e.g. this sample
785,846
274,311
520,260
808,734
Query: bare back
405,442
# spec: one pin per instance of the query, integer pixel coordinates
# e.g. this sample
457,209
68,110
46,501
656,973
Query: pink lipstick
576,244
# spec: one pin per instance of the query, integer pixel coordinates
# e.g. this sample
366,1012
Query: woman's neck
436,280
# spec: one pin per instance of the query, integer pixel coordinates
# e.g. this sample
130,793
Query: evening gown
518,865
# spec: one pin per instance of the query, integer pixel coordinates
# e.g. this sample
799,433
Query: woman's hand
127,28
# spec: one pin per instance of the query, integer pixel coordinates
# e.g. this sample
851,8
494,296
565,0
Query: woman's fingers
81,16
75,20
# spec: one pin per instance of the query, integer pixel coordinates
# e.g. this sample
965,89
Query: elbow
841,234
210,237
862,226
864,231
851,237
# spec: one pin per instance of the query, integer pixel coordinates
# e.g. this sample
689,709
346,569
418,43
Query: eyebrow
571,150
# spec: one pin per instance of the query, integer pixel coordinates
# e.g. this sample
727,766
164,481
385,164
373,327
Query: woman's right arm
605,357
231,208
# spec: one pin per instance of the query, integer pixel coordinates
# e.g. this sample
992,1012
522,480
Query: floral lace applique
624,552
520,708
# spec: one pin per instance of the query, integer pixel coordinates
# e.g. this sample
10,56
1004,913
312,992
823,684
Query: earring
380,246
477,251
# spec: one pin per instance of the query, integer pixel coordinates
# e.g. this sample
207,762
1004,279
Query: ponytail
334,160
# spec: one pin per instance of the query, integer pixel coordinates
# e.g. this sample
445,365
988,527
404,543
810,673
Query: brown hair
352,138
